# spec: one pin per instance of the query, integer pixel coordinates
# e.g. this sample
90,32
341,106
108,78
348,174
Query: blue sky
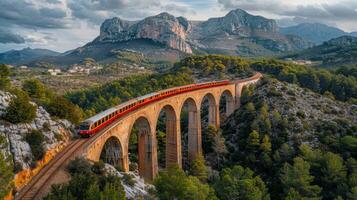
62,25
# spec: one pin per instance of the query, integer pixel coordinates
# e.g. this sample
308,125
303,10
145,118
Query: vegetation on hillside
300,150
21,110
342,87
89,182
100,98
6,170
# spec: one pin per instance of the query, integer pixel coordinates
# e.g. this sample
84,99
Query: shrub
128,179
64,109
174,184
35,140
20,109
4,80
6,171
79,166
34,88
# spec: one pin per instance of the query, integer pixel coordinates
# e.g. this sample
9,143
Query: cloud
97,11
34,13
324,11
10,37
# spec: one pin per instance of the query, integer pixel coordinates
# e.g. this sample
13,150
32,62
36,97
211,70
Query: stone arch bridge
113,140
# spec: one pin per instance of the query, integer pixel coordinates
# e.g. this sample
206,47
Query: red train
96,123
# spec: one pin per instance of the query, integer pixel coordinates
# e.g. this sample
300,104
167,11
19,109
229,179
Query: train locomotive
99,121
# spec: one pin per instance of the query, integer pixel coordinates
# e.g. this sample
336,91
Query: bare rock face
163,28
55,133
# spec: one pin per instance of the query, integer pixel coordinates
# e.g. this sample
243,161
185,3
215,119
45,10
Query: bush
35,140
6,175
34,88
88,182
64,109
174,184
79,166
4,79
20,109
128,179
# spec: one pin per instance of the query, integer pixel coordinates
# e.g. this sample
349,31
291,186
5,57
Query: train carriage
94,124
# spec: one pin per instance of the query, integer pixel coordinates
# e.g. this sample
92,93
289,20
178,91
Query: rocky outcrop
140,189
163,28
56,133
238,22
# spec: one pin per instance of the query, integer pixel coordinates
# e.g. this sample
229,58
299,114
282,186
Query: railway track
33,189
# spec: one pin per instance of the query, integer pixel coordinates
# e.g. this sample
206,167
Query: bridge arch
112,152
172,132
194,127
146,147
213,108
228,101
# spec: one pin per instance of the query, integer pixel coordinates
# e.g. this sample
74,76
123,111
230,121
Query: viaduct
112,143
113,140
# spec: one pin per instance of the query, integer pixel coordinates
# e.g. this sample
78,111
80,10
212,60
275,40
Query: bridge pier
194,133
173,142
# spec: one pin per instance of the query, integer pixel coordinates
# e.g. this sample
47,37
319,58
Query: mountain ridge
236,33
25,55
315,32
337,51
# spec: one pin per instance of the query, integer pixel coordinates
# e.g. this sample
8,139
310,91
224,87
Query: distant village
86,67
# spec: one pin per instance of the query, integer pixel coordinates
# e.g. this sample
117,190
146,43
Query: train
101,120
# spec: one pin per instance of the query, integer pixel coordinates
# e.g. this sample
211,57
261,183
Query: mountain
169,38
314,32
338,51
163,28
239,33
26,55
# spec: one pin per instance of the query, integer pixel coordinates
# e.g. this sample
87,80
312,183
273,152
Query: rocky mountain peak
164,28
239,22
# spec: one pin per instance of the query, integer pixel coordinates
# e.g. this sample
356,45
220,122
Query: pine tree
265,146
253,142
20,110
297,176
199,169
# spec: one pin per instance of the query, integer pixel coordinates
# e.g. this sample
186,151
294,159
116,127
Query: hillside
288,135
335,52
24,56
314,32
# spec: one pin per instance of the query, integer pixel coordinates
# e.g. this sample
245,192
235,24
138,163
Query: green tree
199,169
34,88
208,139
174,184
219,149
265,146
6,175
253,141
240,183
88,182
333,176
35,140
20,110
64,109
297,177
4,77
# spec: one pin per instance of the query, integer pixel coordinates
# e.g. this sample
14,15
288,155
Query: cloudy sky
62,25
